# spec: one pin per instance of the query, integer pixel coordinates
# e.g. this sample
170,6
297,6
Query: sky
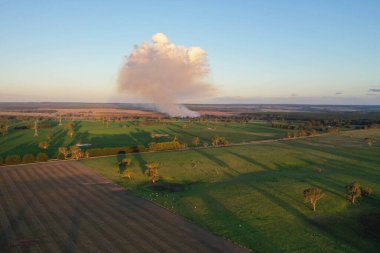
294,51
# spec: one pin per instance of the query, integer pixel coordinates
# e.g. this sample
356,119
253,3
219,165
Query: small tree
370,141
76,152
353,192
64,151
313,195
13,159
196,141
42,157
127,174
28,158
153,171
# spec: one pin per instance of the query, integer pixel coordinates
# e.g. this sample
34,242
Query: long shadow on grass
250,160
230,221
141,161
328,231
332,150
217,161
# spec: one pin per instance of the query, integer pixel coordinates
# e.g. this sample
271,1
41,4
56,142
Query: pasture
252,194
65,207
127,133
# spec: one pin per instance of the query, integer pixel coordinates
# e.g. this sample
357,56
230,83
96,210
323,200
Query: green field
252,194
122,134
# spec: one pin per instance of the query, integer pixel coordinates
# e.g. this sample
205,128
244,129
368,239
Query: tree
76,152
64,151
313,195
370,141
153,171
28,158
127,174
42,157
196,141
353,192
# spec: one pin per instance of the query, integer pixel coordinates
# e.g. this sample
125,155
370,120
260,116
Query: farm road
66,207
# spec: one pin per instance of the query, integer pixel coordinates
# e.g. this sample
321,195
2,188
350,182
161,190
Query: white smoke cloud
162,72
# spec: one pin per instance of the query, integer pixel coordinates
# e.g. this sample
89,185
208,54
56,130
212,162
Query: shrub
13,159
61,156
28,158
42,157
169,145
1,161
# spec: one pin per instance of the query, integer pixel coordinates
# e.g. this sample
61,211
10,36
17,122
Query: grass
252,194
115,135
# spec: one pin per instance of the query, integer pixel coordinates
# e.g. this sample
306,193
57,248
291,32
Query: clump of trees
152,170
355,191
219,141
74,152
313,195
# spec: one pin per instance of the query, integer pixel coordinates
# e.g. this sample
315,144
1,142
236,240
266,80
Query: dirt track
65,207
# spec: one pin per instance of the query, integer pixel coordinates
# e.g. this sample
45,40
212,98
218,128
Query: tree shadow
249,159
119,158
218,161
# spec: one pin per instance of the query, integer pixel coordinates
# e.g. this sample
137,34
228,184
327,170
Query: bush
61,156
28,158
169,145
42,157
1,161
13,159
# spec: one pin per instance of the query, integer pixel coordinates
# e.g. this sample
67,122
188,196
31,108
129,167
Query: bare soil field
65,207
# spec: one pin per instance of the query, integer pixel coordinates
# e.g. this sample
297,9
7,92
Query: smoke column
162,72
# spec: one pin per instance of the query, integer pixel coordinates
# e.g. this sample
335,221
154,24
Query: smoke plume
163,72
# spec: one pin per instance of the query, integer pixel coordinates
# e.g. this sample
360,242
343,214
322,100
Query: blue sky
323,51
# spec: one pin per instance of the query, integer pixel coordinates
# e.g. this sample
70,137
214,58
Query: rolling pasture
65,207
253,194
124,134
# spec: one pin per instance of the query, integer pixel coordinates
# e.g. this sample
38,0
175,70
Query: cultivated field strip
65,207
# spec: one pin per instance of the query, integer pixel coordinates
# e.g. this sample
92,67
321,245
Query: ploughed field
21,141
65,207
253,194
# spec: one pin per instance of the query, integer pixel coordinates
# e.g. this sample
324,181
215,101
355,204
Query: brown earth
66,207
